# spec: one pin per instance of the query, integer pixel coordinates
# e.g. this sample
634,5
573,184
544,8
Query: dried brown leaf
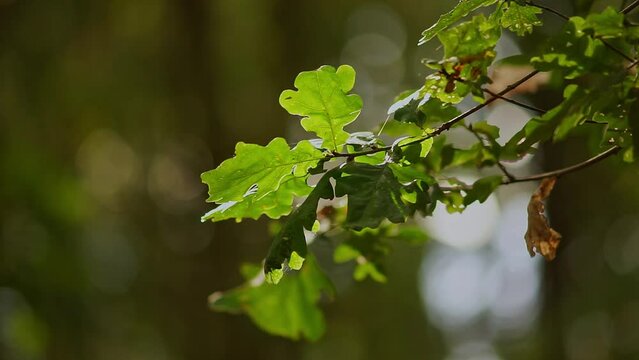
540,237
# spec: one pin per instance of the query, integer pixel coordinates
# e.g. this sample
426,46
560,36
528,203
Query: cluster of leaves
385,184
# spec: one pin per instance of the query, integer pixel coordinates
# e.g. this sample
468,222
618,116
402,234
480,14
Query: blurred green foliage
109,111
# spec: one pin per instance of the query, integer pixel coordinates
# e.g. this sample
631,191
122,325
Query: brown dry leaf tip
540,237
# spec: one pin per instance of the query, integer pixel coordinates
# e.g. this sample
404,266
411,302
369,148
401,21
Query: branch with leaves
385,183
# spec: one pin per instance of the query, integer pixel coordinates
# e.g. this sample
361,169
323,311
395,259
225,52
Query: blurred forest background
110,110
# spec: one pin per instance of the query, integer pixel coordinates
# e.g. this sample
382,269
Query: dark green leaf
607,24
481,189
557,122
288,309
490,131
289,246
374,194
368,250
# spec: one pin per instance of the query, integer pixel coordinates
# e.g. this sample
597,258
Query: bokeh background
110,110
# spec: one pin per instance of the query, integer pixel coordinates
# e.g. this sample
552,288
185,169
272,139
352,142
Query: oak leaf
540,237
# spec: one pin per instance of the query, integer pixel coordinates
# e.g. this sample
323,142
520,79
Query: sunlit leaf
470,39
323,101
520,19
574,53
274,205
463,8
259,170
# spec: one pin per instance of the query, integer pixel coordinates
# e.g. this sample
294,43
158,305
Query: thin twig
515,102
551,10
383,125
557,173
630,7
613,48
632,64
606,43
443,127
542,111
481,141
623,5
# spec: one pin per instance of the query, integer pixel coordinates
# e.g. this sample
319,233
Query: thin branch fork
630,7
508,178
558,173
443,127
555,173
542,111
606,43
481,141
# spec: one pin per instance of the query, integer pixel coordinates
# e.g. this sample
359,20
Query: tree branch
557,173
445,126
630,7
550,10
481,141
606,43
514,102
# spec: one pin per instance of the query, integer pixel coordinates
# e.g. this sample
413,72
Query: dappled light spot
107,165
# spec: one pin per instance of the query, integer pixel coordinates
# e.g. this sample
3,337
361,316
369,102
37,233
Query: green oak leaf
290,243
437,112
470,39
556,123
575,54
374,194
421,109
288,309
368,250
607,24
463,8
323,101
444,155
259,170
519,19
481,189
490,132
274,205
453,200
483,127
469,49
